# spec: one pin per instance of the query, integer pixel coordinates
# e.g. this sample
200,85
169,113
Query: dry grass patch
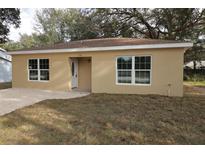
5,85
191,89
108,119
195,83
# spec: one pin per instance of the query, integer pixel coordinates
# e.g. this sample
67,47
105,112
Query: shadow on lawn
42,133
110,119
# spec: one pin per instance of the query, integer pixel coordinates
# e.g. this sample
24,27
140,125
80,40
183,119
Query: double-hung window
124,69
142,69
133,70
38,69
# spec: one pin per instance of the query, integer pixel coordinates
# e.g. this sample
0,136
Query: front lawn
108,119
195,83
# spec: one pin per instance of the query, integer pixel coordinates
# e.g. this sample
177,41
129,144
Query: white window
142,69
124,69
38,69
133,70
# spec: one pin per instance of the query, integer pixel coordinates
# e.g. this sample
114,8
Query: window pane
137,62
44,64
73,68
148,59
142,77
33,75
143,62
148,66
44,75
142,59
33,64
142,65
124,76
124,63
137,59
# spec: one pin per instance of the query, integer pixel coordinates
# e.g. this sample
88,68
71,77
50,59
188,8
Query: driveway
15,98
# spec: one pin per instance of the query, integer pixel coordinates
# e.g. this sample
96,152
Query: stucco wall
167,68
60,76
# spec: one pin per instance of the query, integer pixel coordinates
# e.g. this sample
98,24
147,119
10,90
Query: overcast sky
26,26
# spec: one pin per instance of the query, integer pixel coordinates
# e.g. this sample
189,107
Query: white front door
74,72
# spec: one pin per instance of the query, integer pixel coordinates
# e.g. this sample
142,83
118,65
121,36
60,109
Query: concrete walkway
15,98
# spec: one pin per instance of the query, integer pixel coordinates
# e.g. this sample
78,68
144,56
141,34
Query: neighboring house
114,65
199,65
5,66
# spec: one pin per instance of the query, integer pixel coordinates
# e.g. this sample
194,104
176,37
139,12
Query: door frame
74,62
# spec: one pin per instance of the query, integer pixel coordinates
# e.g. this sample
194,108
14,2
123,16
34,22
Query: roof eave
111,48
1,49
8,60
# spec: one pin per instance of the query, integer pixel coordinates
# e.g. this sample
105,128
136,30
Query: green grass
195,83
108,119
5,85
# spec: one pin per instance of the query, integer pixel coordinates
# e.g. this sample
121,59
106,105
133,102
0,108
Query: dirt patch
194,90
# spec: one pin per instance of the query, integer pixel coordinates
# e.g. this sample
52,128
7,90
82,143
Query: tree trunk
194,64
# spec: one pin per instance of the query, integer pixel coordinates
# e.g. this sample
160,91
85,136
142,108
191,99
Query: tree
79,25
11,45
76,24
196,53
49,24
111,24
8,17
60,25
26,41
171,24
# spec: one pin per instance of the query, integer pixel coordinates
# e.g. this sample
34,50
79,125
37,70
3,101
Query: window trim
38,69
133,71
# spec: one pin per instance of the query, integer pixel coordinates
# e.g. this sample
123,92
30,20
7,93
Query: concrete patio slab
15,98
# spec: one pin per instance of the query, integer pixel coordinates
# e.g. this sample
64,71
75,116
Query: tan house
113,65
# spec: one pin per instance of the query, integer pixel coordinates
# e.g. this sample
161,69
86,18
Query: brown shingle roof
104,42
